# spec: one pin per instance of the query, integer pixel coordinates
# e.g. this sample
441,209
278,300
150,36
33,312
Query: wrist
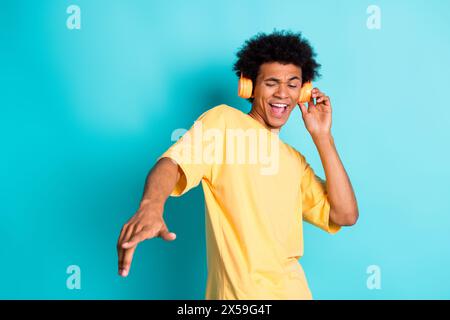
151,204
322,137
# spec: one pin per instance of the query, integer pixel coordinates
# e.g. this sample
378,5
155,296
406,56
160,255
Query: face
276,92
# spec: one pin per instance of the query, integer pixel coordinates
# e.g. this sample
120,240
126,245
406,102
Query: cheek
263,94
268,93
295,94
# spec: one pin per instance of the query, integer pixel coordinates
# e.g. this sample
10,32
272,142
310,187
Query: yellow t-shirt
257,192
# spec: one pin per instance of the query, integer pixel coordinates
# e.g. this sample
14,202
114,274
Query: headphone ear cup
305,93
245,87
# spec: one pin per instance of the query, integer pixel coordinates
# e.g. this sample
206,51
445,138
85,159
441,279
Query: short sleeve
315,204
188,152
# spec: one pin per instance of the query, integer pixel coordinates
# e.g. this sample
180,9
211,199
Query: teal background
85,113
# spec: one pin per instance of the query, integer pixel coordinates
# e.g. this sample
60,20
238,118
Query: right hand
147,223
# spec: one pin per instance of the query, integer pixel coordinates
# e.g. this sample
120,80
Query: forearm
160,182
344,209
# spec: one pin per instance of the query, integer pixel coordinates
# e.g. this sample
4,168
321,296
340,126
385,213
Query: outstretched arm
148,221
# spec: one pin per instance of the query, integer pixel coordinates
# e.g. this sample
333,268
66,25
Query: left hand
317,117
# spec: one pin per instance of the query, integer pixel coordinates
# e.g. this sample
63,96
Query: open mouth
278,109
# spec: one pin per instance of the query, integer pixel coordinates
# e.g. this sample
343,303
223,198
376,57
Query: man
254,209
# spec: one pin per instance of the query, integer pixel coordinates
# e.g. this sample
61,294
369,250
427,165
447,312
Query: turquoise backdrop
85,113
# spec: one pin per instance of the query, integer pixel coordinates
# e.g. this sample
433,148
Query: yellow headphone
245,89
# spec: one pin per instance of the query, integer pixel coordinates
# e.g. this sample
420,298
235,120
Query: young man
258,189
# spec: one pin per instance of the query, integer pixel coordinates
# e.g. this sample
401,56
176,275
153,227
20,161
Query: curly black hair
280,46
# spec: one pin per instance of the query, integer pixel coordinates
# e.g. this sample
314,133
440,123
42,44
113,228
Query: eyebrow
278,80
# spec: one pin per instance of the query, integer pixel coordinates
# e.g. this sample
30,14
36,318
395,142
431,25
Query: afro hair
285,47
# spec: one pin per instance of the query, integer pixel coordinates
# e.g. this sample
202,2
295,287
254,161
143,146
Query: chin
276,123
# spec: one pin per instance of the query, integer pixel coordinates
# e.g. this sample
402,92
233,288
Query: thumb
166,235
303,108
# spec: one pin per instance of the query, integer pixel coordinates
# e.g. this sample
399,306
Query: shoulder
221,113
295,153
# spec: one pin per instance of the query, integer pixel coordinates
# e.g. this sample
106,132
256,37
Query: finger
119,244
127,233
320,98
315,92
125,264
166,235
303,108
129,247
122,234
120,253
311,103
138,237
119,240
324,99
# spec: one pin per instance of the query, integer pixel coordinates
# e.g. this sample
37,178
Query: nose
281,92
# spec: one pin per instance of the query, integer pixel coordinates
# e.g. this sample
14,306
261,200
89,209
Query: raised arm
317,119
